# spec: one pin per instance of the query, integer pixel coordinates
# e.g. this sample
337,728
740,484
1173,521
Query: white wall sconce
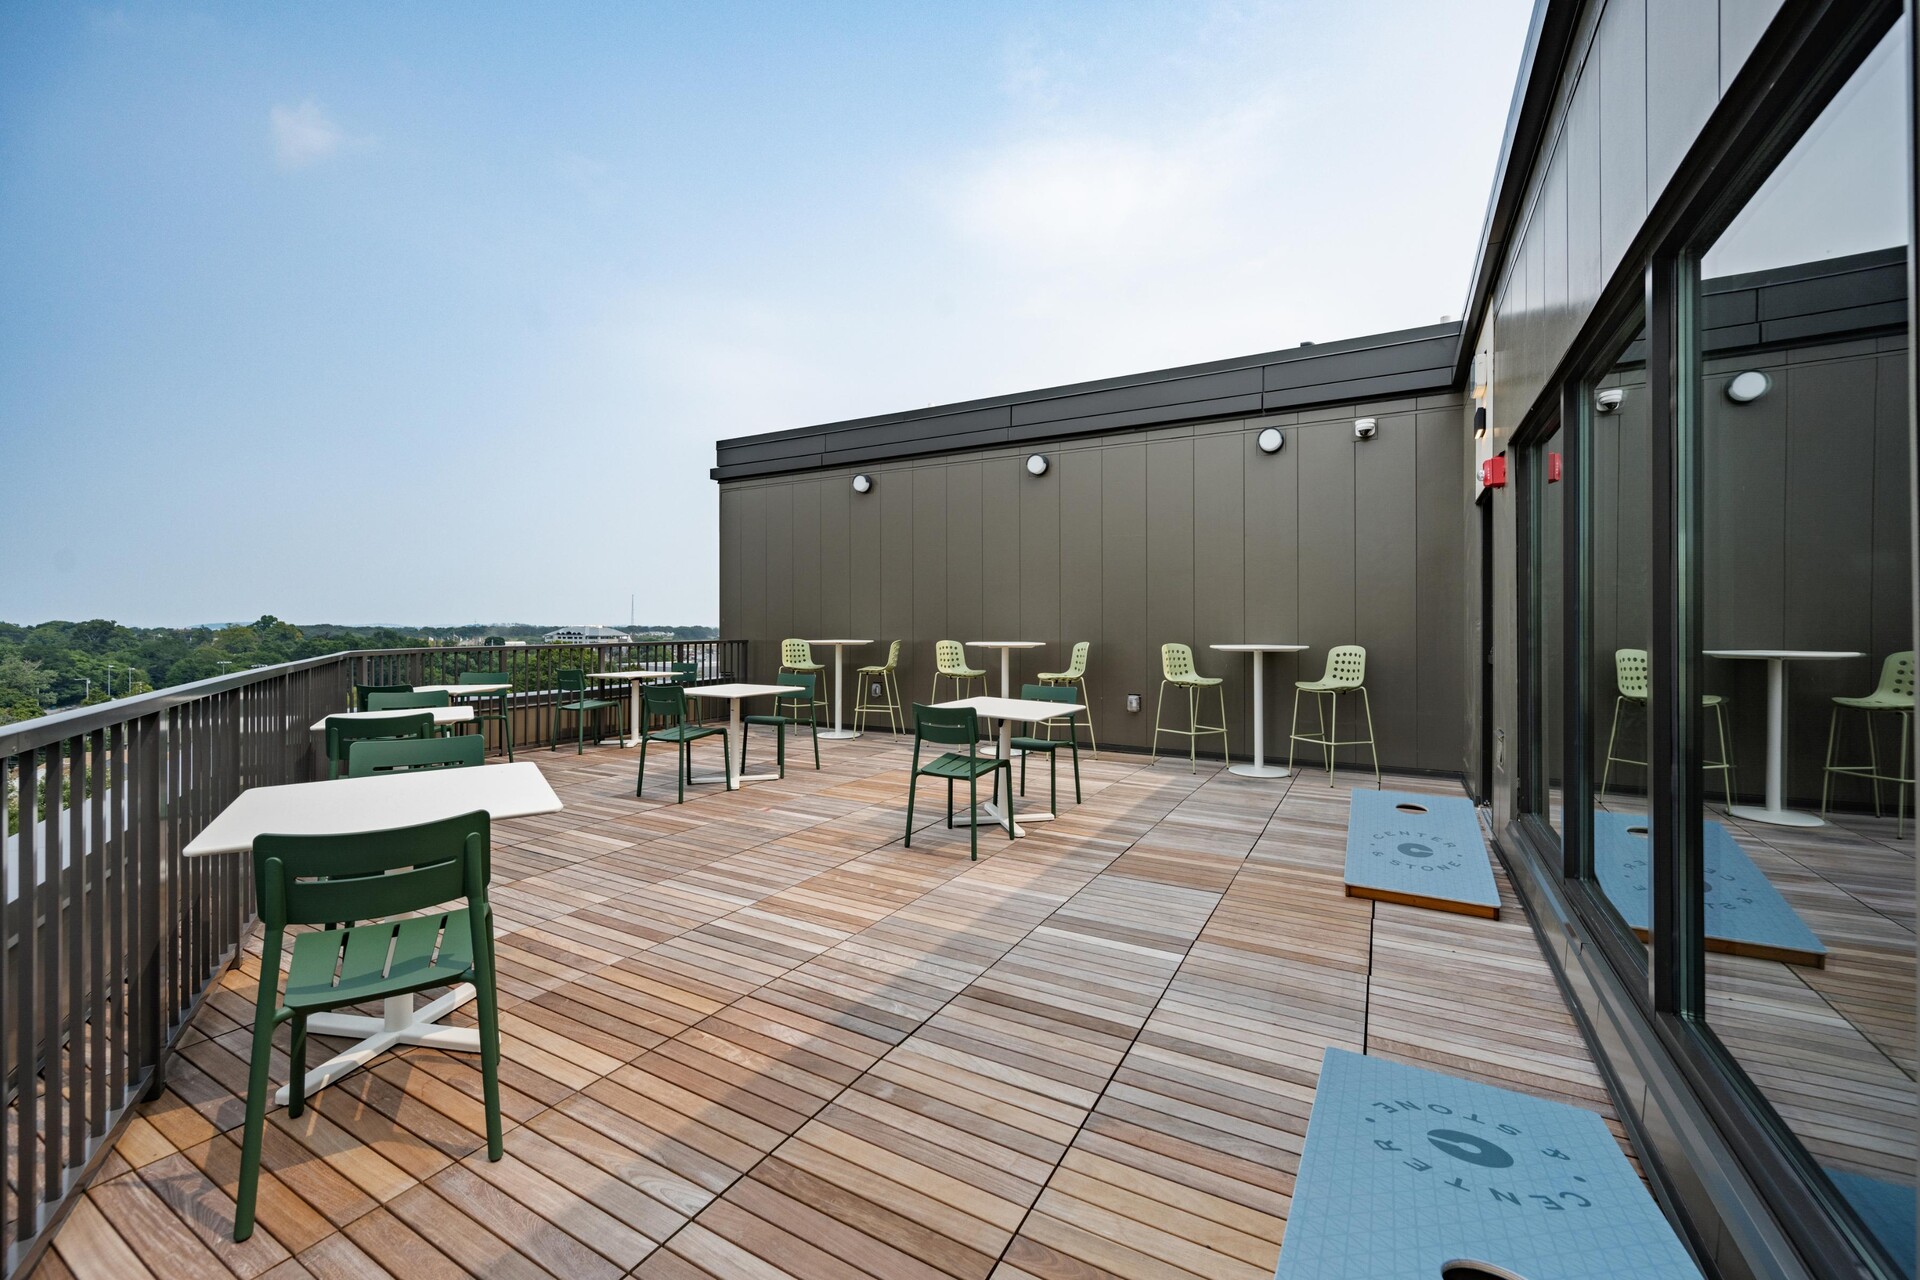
1270,440
1036,464
863,483
1366,428
1748,387
1608,401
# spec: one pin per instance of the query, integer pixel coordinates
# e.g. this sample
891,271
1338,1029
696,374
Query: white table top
1016,708
1794,654
631,675
1258,648
457,689
441,715
375,804
1008,644
837,643
745,690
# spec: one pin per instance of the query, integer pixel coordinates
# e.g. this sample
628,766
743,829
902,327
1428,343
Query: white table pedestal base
839,733
1258,770
1777,817
402,1025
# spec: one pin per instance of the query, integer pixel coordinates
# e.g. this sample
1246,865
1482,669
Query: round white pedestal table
1259,768
1775,811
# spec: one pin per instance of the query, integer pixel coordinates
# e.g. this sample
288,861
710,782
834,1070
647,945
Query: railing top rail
29,735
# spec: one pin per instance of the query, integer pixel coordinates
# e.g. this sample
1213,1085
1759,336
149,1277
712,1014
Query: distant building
586,635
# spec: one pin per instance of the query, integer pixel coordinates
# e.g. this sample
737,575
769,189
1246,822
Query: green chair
1630,682
574,681
1892,696
887,676
362,692
687,675
950,660
1176,669
1075,674
1346,673
310,880
344,731
669,703
954,727
504,714
403,755
1031,745
408,701
804,682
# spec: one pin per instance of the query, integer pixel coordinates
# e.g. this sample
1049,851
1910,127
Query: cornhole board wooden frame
1743,909
1407,1171
1420,850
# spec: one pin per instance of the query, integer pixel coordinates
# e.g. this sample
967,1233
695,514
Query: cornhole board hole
1746,916
1425,851
1407,1172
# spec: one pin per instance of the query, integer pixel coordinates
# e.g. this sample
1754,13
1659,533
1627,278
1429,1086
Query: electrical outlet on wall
1133,702
873,689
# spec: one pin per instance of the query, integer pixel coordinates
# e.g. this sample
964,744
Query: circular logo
1470,1148
1415,850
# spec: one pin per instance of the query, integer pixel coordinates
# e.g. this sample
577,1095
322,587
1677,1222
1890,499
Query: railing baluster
50,957
26,1179
115,977
74,913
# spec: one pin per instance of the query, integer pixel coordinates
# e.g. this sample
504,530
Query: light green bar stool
1075,674
1630,680
1176,669
797,656
888,674
1893,696
950,660
1346,673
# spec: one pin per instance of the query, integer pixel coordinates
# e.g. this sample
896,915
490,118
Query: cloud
304,135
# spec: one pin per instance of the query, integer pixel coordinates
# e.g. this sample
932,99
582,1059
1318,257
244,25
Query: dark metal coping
1405,362
1784,306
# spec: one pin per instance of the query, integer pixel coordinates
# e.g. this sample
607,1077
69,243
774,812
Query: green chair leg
640,785
913,785
486,992
257,1085
973,809
297,1068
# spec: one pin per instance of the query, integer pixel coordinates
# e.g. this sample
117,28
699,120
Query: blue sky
431,313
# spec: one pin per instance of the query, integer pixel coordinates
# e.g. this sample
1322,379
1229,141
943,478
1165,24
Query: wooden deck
753,1036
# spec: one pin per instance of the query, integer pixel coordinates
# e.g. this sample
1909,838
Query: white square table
375,804
634,718
1259,768
1775,811
461,690
840,684
1007,711
736,747
441,715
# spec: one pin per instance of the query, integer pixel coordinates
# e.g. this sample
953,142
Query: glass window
1618,480
1547,515
1804,623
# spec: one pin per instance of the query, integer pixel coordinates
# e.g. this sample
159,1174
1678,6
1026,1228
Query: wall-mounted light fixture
1036,464
1748,387
1609,400
1480,423
863,483
1270,440
1365,428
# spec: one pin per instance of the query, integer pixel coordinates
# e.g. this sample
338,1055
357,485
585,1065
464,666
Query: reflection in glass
1619,489
1544,472
1804,619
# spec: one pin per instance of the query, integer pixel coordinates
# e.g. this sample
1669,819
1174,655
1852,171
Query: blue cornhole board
1745,914
1888,1210
1407,1171
1423,850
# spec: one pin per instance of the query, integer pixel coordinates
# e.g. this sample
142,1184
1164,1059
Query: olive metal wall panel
1120,660
1220,549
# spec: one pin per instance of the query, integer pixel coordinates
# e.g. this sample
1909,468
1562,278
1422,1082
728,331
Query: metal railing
109,938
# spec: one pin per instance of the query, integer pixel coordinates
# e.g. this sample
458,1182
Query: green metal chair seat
1038,744
955,765
1877,701
587,704
333,967
685,733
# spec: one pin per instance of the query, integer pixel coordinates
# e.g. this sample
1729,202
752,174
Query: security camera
1364,428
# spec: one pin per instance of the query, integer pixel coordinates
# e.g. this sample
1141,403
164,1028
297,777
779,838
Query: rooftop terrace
754,1036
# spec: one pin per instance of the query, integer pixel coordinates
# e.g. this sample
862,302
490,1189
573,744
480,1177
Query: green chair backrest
370,874
1054,693
344,731
361,692
945,726
796,653
1078,666
668,700
1896,675
1630,673
949,656
1176,662
572,680
799,680
486,677
893,657
688,672
407,701
398,755
1346,666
